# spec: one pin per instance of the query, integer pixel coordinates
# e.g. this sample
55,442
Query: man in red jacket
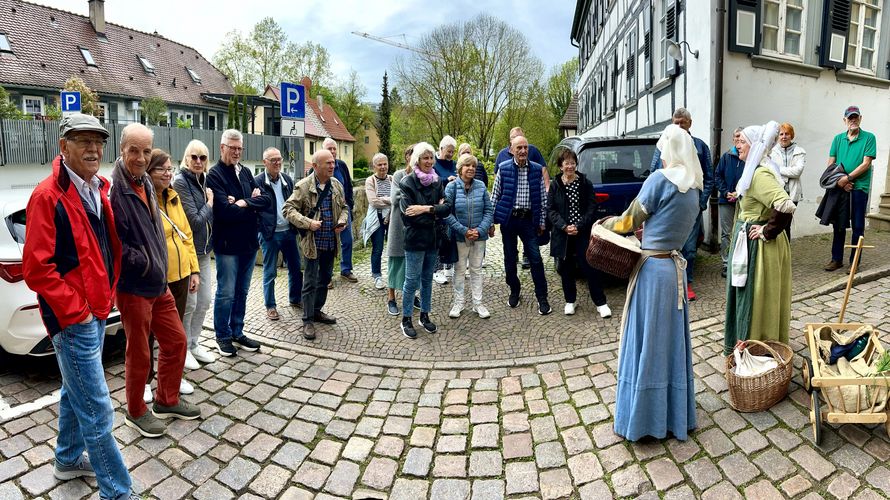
72,260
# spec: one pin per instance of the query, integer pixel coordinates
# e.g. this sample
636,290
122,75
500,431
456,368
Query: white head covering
762,138
681,165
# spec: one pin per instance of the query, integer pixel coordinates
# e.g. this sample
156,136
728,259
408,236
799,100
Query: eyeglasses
274,160
234,148
83,142
168,170
197,157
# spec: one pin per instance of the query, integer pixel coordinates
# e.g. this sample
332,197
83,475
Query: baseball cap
81,123
852,110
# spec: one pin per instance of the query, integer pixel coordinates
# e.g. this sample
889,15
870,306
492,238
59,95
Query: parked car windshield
612,164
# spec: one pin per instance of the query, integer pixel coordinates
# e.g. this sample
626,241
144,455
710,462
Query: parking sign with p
70,103
293,101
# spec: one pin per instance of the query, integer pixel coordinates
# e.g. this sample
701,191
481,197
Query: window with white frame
4,43
862,46
87,56
661,37
32,105
784,25
104,107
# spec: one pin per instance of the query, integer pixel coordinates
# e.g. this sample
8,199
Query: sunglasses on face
199,157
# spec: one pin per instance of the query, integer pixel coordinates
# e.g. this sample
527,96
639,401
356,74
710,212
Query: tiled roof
330,126
46,51
570,118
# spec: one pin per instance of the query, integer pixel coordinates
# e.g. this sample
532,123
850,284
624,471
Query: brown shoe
324,318
309,330
272,314
349,277
833,265
330,285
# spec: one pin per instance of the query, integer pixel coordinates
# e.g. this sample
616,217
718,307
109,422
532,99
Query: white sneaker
190,362
378,283
147,396
203,355
440,278
185,387
455,311
604,311
449,273
482,311
570,308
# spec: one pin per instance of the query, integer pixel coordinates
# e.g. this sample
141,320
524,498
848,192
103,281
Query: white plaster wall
814,106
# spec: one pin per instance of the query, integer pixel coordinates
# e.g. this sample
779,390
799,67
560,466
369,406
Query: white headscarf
681,165
762,138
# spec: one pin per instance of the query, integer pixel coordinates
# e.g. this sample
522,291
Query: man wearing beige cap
72,260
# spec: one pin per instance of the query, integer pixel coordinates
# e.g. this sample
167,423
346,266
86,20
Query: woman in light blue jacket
470,218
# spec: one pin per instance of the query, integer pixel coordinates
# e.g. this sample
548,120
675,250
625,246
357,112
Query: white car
21,329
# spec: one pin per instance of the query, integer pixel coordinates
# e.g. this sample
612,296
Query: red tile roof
46,51
330,126
570,118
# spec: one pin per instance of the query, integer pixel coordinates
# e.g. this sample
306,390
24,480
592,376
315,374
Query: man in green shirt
855,150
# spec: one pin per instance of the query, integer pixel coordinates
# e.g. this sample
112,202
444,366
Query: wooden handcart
815,382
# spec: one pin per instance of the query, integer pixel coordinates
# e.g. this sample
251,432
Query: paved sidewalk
289,425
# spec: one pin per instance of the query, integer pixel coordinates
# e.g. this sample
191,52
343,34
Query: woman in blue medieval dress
655,393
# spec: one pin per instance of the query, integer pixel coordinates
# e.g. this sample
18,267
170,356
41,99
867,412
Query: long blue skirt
655,393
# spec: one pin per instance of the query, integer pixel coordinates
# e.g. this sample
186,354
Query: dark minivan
617,167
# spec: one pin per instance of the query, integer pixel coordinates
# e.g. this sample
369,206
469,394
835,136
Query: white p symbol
70,100
292,98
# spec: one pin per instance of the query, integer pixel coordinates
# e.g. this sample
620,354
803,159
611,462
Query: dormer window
146,65
4,43
87,56
194,75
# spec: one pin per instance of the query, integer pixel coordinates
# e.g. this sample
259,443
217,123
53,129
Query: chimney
320,103
97,15
307,83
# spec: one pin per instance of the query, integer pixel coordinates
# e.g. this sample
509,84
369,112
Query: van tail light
601,197
11,271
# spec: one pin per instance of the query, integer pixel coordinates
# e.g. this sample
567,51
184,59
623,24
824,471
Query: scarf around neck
425,179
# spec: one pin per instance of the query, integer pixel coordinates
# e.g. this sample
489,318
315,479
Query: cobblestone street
516,406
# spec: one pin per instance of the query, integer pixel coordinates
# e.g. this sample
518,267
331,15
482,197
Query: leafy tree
231,115
384,122
52,112
464,75
244,114
560,87
89,100
312,60
348,103
154,110
8,110
234,60
180,123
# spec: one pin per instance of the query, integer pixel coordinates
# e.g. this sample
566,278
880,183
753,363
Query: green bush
361,169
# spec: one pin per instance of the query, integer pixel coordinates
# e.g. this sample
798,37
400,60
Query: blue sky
203,24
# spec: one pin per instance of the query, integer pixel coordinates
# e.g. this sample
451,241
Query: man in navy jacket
237,201
729,171
277,234
341,173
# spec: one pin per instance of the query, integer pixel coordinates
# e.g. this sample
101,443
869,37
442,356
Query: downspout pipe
717,109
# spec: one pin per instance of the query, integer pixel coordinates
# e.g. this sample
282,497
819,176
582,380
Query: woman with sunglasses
197,202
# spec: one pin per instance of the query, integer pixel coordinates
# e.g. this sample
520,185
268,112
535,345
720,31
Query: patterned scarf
425,179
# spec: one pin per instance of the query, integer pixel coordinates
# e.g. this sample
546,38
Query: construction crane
394,43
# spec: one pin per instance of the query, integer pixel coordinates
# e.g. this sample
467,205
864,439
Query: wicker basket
760,392
612,253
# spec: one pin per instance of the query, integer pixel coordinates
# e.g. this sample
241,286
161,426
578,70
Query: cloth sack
739,277
749,365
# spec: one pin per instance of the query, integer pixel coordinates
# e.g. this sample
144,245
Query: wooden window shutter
835,33
744,26
647,45
671,29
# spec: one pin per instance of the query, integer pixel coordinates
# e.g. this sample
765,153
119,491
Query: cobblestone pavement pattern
287,424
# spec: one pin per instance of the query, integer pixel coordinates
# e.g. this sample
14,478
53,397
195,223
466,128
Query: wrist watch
432,209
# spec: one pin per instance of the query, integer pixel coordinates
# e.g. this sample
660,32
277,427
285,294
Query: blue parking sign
71,102
293,101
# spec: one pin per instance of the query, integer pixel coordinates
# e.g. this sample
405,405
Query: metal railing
37,142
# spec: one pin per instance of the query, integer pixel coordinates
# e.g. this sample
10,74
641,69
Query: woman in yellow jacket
182,260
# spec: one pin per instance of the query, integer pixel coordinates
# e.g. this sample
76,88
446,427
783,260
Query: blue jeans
286,243
524,230
690,248
85,413
346,246
419,268
233,273
858,207
377,250
315,283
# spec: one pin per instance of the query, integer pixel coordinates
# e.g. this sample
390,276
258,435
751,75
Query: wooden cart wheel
806,374
816,417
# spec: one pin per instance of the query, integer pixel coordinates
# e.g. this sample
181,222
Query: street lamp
675,50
